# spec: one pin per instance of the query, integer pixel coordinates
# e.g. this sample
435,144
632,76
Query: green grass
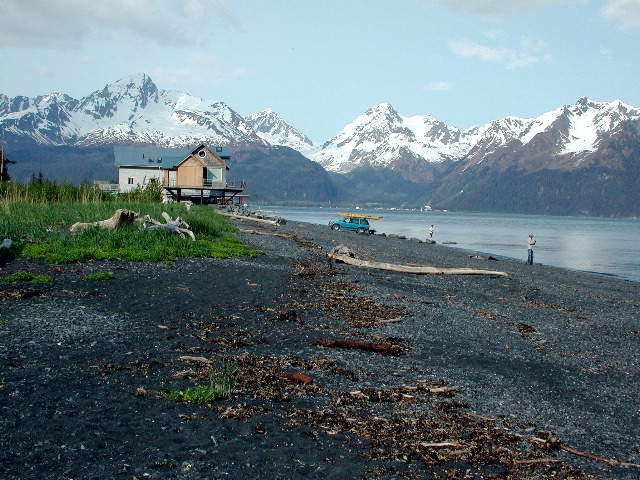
41,231
222,383
98,276
26,277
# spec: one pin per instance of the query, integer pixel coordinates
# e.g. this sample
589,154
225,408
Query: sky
321,64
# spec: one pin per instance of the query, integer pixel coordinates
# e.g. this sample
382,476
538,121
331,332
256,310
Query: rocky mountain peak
273,129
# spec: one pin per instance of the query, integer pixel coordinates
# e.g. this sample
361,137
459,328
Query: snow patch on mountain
274,130
132,110
377,138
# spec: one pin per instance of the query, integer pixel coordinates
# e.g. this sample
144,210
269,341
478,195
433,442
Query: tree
4,175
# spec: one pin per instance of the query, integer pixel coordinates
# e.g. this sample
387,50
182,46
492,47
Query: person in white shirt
532,242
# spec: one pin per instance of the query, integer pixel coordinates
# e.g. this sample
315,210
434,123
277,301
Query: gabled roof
160,157
207,159
149,156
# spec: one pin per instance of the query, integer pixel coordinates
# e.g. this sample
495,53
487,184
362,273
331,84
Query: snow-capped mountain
563,138
566,138
130,111
275,131
381,137
133,110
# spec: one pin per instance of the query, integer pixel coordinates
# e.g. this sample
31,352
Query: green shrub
222,383
26,277
39,279
98,276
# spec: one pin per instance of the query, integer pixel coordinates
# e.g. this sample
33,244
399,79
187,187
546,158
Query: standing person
431,232
530,245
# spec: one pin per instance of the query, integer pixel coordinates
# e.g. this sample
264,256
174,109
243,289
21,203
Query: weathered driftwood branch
187,358
119,219
554,442
385,348
177,226
255,232
253,219
123,217
344,255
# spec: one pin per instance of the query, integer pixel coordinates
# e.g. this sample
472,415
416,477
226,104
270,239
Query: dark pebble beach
344,372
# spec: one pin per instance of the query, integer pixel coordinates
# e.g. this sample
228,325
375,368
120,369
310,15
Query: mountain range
577,159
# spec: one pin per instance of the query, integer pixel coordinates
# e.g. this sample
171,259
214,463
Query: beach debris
123,217
390,320
120,218
553,442
480,257
255,232
339,254
297,377
384,348
277,221
187,358
176,226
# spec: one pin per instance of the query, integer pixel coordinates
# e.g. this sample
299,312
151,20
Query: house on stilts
197,174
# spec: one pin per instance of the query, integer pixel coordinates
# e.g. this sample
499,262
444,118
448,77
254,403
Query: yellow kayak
355,215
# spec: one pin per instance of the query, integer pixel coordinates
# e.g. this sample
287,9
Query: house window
218,149
159,160
130,180
150,159
202,153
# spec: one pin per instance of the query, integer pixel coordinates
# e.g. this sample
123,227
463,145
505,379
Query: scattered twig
554,442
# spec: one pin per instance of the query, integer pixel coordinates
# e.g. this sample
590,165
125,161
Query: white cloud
43,71
529,53
211,68
624,13
493,9
438,86
66,23
605,52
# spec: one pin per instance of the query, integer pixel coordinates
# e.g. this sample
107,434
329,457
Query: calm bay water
600,245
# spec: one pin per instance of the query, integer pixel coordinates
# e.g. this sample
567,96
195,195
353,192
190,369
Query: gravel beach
530,375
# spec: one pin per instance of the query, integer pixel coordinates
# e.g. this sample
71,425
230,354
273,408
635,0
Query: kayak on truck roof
355,215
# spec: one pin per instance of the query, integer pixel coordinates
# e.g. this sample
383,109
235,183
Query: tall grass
51,192
37,218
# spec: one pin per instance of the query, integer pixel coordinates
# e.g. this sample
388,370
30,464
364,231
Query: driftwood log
177,226
345,255
253,219
119,219
123,217
255,232
385,348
